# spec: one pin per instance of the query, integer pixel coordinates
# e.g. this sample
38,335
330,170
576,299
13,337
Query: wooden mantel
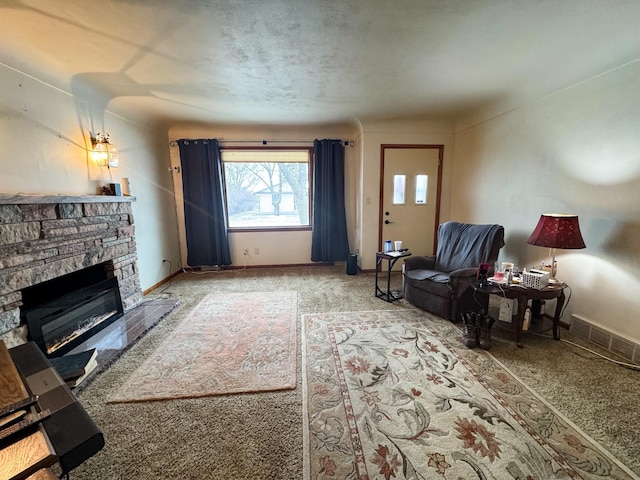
19,199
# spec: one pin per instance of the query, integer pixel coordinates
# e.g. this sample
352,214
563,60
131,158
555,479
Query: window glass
267,188
399,188
421,189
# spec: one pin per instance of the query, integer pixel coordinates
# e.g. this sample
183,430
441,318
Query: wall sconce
103,152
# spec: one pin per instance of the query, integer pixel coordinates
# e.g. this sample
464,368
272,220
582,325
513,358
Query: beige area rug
387,397
229,343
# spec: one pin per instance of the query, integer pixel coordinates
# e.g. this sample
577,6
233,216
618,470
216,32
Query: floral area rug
394,395
229,343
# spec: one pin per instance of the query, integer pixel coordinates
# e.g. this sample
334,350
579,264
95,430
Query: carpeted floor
259,435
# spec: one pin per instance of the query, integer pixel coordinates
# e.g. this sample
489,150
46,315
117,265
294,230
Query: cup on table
507,267
397,245
498,271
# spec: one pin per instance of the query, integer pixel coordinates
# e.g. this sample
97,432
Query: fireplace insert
62,323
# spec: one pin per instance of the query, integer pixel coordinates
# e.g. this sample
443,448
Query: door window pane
399,188
421,189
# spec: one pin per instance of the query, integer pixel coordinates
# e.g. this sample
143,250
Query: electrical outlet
245,251
256,251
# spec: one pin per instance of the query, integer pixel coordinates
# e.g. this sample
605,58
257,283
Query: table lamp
557,230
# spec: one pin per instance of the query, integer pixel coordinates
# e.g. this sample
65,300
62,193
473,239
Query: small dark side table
523,295
391,258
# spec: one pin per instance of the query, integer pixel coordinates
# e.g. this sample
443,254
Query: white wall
44,137
575,151
415,131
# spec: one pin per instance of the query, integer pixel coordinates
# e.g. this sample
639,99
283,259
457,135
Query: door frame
440,149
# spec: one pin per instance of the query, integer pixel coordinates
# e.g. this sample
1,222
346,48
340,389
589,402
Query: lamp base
552,269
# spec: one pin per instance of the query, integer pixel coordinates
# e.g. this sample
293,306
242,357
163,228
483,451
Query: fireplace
63,312
65,260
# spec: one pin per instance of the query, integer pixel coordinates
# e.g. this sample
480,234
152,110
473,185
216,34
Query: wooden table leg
556,316
378,261
522,307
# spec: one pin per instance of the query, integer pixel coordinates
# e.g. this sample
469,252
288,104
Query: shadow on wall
516,248
622,241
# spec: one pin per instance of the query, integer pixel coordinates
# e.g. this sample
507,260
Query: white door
411,196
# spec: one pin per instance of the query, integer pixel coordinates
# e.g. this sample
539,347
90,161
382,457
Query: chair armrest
420,263
461,279
464,273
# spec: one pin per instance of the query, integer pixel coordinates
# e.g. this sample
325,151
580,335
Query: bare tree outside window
267,189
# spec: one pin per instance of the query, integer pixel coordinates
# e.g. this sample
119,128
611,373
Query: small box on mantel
535,279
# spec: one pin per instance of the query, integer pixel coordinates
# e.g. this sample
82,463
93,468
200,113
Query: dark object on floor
476,330
469,330
74,365
440,283
352,264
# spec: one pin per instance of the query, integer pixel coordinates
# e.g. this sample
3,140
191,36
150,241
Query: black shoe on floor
470,329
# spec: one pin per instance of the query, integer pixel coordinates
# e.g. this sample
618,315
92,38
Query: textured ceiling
312,62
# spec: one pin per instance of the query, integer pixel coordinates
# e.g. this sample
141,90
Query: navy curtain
204,209
329,241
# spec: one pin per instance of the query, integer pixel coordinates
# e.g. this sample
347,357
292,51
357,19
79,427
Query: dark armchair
440,283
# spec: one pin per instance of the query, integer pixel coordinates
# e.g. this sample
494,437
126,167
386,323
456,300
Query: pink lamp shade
557,230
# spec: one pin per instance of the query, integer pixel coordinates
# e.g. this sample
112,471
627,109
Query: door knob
387,222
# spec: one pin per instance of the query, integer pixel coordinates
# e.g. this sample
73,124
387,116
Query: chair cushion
438,285
432,275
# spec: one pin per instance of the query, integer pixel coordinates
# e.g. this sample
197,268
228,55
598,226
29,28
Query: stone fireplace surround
44,237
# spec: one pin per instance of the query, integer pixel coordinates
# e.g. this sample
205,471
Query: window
422,181
267,188
399,187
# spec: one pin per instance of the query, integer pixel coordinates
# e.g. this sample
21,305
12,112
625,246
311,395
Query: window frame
282,228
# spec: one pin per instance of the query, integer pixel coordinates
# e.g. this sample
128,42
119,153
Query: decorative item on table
502,272
507,268
126,187
556,230
498,273
515,275
112,189
483,270
533,278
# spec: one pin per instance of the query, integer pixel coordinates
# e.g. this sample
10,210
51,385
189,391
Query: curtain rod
346,143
